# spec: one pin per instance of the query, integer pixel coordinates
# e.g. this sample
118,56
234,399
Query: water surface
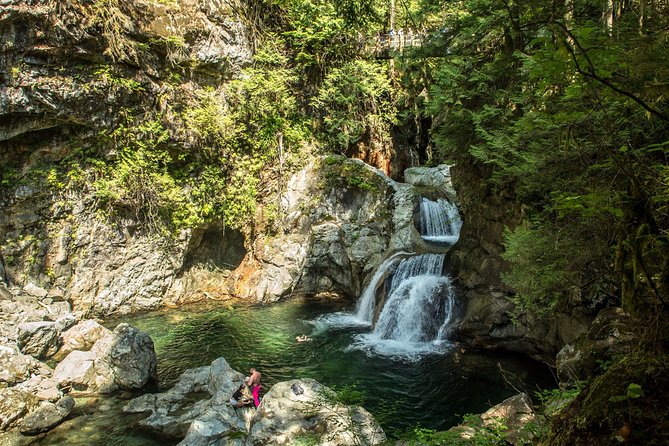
434,391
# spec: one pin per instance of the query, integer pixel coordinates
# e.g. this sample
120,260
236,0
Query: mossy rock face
339,171
625,405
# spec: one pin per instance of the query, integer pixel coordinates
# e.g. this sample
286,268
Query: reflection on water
433,392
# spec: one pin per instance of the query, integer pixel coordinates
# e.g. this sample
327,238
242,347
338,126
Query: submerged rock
46,416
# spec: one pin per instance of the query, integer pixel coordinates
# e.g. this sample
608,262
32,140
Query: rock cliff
477,262
75,75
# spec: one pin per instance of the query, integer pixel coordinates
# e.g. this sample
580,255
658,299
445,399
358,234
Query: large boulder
131,357
81,337
39,339
173,413
124,359
77,372
300,408
439,176
46,416
14,367
288,411
43,387
14,405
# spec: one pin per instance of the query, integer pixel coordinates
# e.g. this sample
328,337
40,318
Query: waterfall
439,221
420,299
417,312
365,307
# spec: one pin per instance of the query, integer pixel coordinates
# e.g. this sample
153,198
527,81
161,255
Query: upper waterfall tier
439,221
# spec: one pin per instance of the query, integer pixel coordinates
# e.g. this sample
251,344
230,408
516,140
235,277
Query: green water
433,392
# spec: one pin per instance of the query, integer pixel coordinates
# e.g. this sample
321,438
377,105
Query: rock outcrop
509,421
476,261
70,73
73,75
197,409
125,359
611,334
343,217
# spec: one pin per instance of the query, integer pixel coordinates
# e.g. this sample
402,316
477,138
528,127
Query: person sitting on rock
242,396
254,384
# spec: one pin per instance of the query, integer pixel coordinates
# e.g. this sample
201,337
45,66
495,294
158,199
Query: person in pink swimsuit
254,384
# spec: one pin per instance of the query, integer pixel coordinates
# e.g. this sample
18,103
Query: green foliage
8,176
552,401
339,171
324,34
633,391
115,24
472,432
538,273
105,72
544,101
355,100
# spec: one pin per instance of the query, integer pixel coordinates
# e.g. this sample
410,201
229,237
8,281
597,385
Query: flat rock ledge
196,409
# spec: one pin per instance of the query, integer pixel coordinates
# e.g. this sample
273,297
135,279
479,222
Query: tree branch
592,74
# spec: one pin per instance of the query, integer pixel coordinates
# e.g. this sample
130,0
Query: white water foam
419,307
414,320
365,308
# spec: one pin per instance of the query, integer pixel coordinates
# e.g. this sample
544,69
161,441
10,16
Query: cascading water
417,312
440,221
364,311
365,308
420,299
